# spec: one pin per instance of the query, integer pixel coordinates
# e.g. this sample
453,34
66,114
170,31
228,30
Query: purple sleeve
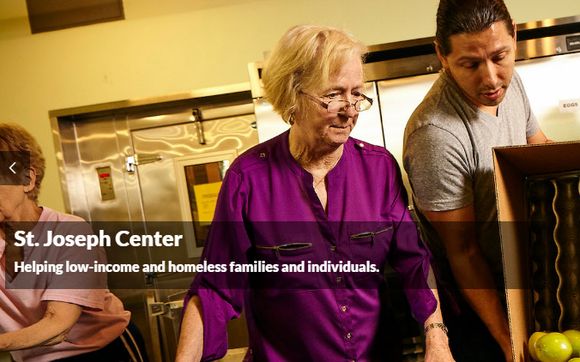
222,293
408,255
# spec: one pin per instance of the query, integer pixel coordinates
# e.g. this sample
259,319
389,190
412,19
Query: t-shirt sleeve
438,168
87,288
532,125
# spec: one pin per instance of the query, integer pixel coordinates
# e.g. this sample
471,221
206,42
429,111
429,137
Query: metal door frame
215,103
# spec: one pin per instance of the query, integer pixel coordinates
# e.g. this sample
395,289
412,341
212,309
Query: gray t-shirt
447,154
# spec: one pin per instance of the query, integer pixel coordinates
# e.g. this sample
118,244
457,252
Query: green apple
575,359
553,347
532,343
574,338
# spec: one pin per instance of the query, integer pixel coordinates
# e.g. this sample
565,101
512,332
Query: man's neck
492,110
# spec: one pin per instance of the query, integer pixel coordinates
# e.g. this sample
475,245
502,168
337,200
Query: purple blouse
269,213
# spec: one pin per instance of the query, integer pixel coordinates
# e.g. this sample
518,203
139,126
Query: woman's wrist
434,326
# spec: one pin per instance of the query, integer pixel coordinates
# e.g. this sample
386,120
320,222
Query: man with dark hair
477,103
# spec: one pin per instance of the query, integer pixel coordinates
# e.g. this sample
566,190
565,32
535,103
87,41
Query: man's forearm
477,286
456,228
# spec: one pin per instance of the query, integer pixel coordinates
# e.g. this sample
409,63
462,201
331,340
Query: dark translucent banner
276,255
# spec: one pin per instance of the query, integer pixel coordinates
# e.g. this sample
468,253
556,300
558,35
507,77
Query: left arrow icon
11,167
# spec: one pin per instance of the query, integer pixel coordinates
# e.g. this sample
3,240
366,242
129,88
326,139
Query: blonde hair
305,58
16,138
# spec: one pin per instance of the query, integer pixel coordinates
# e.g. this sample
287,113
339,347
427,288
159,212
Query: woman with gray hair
312,197
50,314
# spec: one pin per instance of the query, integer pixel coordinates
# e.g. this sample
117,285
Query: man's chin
485,101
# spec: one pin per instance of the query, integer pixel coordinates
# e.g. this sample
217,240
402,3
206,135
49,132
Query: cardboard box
512,165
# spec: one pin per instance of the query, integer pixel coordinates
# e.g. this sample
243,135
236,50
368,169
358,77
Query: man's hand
538,137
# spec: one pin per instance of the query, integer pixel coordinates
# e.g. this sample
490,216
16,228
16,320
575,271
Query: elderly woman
311,197
50,316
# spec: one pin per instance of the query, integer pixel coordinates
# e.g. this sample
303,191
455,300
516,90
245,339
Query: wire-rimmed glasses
361,104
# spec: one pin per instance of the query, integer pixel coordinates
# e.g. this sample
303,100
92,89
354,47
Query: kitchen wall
173,46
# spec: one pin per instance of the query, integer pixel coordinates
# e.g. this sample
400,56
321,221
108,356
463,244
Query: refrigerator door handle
163,309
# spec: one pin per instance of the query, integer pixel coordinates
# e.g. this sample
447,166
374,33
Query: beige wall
173,46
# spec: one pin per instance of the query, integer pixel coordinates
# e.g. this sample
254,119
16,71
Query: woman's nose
350,110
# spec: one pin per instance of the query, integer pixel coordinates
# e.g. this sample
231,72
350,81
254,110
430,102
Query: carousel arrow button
13,166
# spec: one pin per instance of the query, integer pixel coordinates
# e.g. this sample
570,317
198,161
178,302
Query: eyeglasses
362,104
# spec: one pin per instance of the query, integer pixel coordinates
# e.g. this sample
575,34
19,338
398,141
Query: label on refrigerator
206,199
106,183
571,105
